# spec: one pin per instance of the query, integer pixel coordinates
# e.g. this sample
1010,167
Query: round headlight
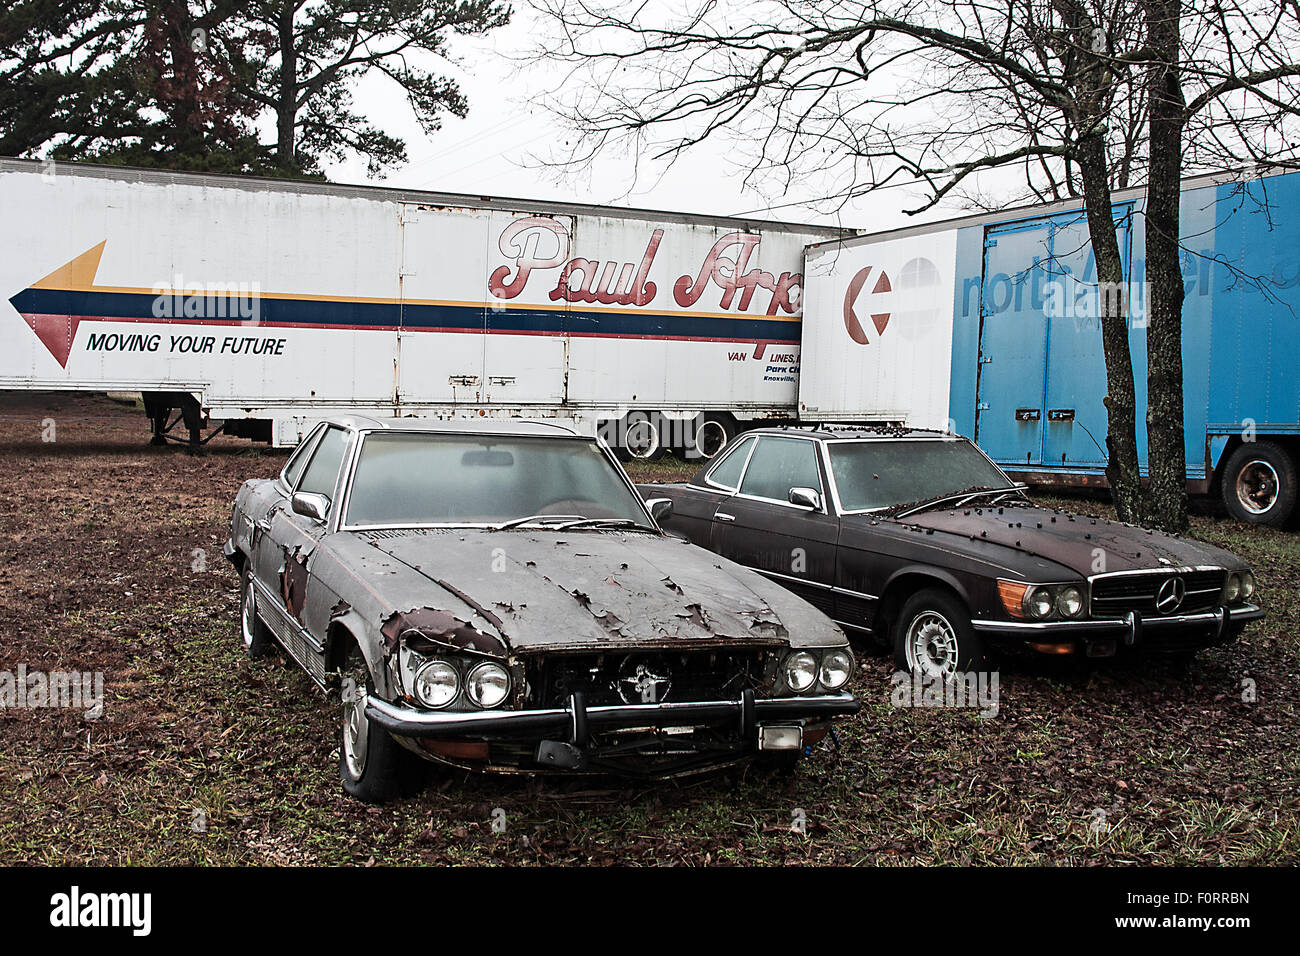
1069,601
1247,584
1233,591
436,684
487,684
800,671
1038,602
837,668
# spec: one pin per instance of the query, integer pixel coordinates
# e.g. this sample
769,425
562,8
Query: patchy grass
110,560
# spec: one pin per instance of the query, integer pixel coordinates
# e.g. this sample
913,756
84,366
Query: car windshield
420,478
883,474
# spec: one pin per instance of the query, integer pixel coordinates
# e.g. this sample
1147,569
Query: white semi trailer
266,305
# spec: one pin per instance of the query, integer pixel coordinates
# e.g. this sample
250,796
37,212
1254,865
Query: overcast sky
493,151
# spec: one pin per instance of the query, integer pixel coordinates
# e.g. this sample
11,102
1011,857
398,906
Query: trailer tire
641,437
1259,484
714,431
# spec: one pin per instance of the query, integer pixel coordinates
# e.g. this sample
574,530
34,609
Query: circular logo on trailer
1170,596
879,319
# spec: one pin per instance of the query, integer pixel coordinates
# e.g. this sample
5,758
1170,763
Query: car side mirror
661,509
310,505
805,498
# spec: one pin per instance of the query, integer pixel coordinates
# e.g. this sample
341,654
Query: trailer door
443,305
526,345
1042,372
1074,413
1013,343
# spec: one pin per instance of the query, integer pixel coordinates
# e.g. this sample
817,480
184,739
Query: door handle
724,517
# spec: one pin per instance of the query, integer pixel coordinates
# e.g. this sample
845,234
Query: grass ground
110,560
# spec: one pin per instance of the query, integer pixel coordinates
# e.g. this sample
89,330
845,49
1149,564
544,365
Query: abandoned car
496,595
919,540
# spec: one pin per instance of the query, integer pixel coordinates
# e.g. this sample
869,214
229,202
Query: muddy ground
110,561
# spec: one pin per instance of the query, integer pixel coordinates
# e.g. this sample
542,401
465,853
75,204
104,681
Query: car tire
256,636
936,620
1259,484
373,766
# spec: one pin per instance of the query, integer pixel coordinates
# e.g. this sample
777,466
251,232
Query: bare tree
1080,97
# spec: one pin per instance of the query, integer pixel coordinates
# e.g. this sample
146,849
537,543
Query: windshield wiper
606,523
958,498
534,519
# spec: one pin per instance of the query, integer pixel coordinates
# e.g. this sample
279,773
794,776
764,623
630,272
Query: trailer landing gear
158,406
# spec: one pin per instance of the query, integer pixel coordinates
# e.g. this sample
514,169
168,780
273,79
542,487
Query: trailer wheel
713,433
1259,484
642,437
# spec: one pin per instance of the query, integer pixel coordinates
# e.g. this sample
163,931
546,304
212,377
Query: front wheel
254,633
372,765
933,636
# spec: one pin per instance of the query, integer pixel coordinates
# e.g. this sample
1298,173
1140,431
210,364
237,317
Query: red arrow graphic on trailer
56,330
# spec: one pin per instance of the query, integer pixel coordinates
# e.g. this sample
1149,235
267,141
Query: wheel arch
908,581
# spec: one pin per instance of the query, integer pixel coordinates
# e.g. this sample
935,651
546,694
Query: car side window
323,472
726,473
779,464
298,460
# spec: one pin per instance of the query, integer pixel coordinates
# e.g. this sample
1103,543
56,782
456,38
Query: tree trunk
1121,415
286,110
1166,455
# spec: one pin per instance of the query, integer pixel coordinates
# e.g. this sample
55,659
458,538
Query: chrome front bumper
1130,628
576,721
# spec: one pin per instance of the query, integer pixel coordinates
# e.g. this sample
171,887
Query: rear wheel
642,437
255,634
713,433
1259,484
933,636
373,766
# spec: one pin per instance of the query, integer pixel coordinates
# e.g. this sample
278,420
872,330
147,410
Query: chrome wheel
1257,486
710,439
356,726
641,439
931,645
248,619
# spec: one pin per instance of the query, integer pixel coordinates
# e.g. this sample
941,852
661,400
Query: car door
291,543
758,527
268,554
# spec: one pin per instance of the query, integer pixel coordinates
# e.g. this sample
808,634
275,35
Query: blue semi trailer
988,325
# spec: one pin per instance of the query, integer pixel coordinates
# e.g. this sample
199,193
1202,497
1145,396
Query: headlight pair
1240,586
1041,601
438,683
831,668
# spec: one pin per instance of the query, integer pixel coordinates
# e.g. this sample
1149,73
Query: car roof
859,432
510,427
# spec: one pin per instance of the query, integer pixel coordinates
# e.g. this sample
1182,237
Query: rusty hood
1073,540
554,590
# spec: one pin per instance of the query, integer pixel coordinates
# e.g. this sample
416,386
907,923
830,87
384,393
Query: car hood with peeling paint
1073,541
542,590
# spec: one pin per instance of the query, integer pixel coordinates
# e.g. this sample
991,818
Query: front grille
651,676
1116,596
